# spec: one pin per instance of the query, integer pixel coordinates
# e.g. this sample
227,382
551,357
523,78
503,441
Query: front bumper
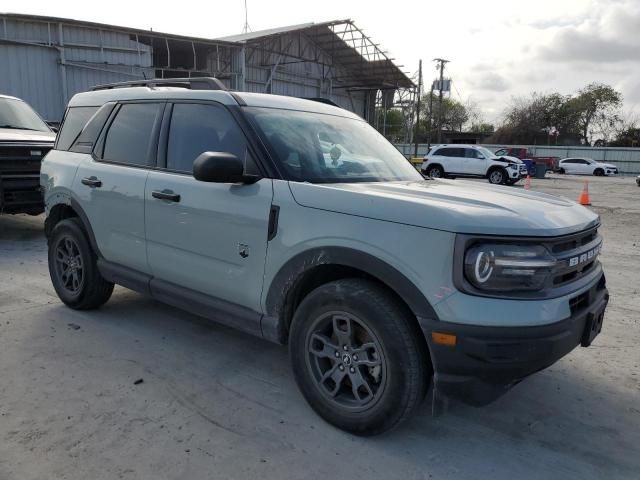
485,362
20,193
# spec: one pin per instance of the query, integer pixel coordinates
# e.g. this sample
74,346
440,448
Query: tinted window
74,121
89,135
501,152
128,137
198,128
451,152
471,153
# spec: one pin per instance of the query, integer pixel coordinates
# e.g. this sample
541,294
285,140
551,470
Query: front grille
577,256
25,158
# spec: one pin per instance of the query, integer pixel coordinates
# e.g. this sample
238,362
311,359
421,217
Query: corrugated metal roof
370,67
245,37
118,28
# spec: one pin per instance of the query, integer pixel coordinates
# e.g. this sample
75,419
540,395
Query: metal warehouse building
46,60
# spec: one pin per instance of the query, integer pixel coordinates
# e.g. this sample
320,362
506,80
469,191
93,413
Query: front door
474,162
110,186
207,237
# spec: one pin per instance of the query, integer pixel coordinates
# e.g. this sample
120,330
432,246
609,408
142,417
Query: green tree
575,119
482,127
598,108
454,115
393,126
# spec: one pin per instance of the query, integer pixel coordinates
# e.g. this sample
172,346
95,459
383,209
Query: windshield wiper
14,127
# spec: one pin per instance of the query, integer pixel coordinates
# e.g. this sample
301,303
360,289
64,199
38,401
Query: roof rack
193,83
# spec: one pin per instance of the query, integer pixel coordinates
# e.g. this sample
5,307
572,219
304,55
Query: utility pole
442,61
417,128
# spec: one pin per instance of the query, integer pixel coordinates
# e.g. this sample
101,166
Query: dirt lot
215,403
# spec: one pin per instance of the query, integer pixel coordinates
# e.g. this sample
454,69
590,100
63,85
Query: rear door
210,238
451,159
110,184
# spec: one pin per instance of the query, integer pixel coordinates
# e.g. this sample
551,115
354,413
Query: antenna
246,27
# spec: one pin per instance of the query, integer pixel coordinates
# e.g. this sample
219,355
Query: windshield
319,148
488,153
17,114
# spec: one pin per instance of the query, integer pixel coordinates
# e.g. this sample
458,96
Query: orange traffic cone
584,196
527,183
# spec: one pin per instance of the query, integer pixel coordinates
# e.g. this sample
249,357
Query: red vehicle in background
550,163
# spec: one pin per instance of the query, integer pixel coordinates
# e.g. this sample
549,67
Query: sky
498,49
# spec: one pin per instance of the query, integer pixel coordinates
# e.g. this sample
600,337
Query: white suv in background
586,166
472,161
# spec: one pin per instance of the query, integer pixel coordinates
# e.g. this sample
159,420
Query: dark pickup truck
24,140
551,163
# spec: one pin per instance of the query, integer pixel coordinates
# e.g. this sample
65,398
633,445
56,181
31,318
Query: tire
73,269
561,171
434,171
497,176
339,319
598,172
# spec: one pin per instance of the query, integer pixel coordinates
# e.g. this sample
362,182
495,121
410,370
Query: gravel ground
215,403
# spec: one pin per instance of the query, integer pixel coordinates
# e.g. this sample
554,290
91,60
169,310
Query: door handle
166,195
91,182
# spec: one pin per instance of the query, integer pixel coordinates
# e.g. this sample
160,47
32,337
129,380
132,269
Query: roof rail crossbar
193,83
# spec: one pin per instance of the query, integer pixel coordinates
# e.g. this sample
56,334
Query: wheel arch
434,164
69,209
314,267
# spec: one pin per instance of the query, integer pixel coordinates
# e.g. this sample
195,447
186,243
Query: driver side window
196,128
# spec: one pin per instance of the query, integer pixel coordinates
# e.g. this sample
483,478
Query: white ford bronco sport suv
297,222
472,161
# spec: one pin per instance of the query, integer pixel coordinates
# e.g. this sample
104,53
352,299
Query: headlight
505,267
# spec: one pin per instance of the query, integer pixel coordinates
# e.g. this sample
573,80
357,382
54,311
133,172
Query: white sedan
586,166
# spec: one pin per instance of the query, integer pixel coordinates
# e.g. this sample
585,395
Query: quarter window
74,121
197,128
129,135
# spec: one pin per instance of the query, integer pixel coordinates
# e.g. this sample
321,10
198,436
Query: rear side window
87,138
129,135
197,128
451,152
74,121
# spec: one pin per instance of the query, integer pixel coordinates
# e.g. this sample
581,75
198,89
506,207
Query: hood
451,205
507,159
11,135
609,165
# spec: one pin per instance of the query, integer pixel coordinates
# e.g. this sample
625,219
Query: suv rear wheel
434,171
497,176
356,358
73,269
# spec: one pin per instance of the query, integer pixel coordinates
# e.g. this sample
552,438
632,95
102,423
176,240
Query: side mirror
220,167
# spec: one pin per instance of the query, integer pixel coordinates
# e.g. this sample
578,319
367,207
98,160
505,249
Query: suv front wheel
497,176
356,358
73,269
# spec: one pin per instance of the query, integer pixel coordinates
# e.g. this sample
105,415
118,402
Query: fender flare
75,206
274,323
